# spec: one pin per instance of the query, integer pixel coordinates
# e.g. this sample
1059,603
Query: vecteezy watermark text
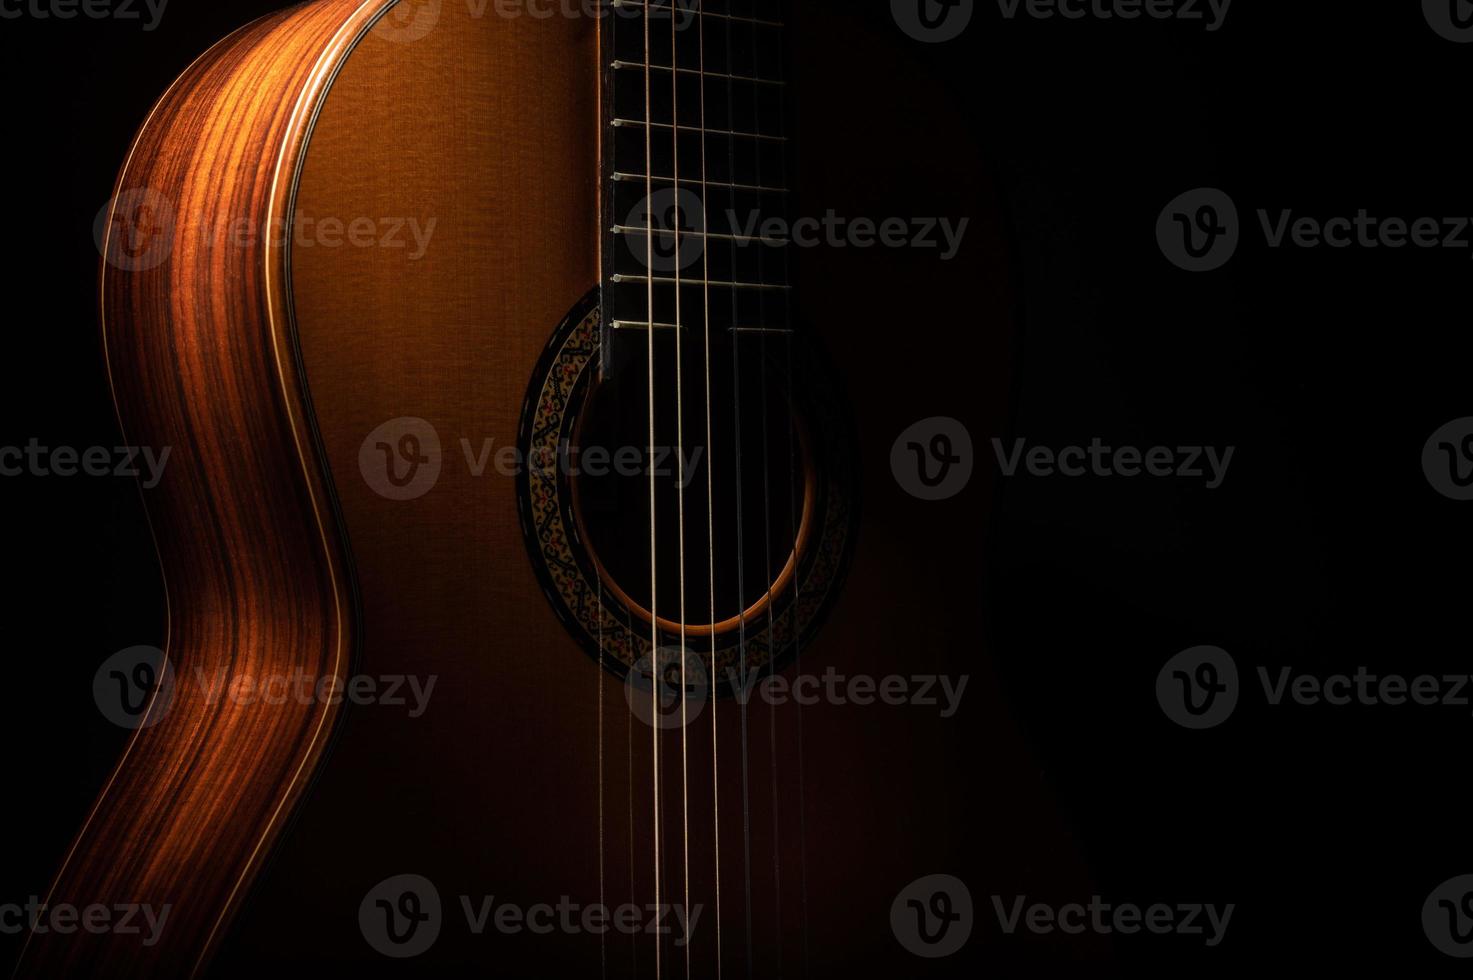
1105,918
138,687
1199,688
668,230
403,916
835,231
934,21
1211,13
1098,459
675,693
411,20
34,459
138,229
147,12
122,919
1199,230
403,459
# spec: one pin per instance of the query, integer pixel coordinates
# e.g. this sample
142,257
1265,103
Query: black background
1325,548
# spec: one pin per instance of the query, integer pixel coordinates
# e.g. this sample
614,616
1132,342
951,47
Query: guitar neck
695,167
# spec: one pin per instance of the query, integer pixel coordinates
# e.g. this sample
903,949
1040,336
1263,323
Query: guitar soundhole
782,486
744,493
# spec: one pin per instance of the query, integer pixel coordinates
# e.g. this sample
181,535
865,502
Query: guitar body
351,404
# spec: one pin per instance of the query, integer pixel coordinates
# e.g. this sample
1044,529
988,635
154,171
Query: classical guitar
513,421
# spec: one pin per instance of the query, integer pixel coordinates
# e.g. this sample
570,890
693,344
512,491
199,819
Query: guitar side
201,359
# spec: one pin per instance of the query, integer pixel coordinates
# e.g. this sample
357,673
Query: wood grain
201,361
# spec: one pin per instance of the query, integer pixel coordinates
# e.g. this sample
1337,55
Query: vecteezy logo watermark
1104,918
135,230
932,916
1184,462
573,918
1198,230
128,680
1210,12
34,459
658,701
835,231
1451,19
671,695
122,919
933,21
1447,917
933,459
666,231
126,683
1198,688
138,229
681,12
402,917
147,12
410,20
400,459
1447,459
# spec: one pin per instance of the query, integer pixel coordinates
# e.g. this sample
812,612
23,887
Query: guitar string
649,239
710,489
603,954
603,951
794,474
603,945
629,770
680,462
628,623
740,536
762,323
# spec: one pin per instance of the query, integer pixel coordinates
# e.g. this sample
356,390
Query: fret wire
758,188
640,124
692,71
620,277
645,325
734,56
636,231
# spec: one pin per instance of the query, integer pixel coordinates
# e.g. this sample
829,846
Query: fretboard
696,170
